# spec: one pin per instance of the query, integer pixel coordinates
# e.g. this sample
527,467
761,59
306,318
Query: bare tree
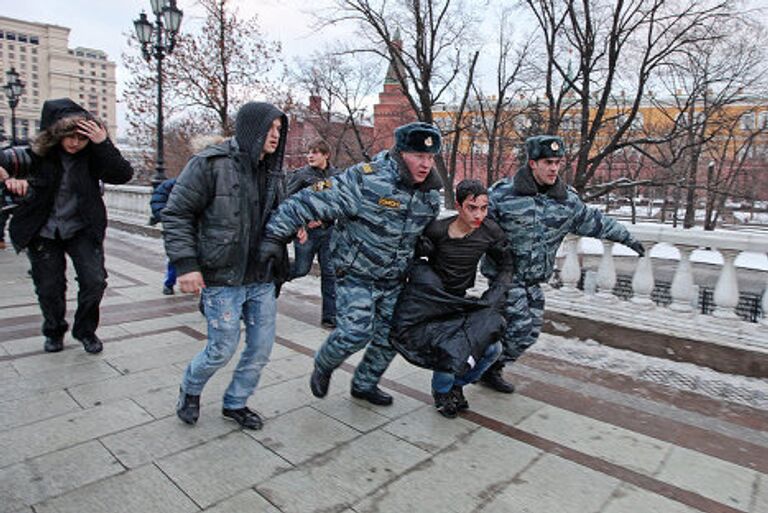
436,36
617,49
342,84
210,73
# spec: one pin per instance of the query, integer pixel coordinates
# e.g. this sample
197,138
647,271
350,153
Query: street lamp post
13,89
165,29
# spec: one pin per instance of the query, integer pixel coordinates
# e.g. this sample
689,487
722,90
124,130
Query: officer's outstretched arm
335,198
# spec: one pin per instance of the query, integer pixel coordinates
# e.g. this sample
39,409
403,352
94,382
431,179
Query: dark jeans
49,275
3,221
318,243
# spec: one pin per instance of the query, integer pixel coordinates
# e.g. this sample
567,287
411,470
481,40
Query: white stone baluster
643,281
682,290
606,273
727,289
571,271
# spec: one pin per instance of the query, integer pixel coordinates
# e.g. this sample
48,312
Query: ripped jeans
224,308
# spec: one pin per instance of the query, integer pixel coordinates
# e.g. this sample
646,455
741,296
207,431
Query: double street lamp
156,41
13,89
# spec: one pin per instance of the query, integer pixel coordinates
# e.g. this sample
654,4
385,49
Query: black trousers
49,269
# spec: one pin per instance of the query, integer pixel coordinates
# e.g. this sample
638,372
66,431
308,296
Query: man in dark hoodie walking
62,212
213,227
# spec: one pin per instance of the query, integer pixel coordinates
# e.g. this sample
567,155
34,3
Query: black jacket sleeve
110,166
186,203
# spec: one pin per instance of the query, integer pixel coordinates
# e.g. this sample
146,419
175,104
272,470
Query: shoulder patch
367,168
389,203
322,185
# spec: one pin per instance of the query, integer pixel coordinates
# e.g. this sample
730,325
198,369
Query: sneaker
188,407
247,419
92,344
167,291
319,382
445,404
53,344
459,399
374,396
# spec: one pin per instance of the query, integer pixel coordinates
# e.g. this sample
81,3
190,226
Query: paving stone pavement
97,433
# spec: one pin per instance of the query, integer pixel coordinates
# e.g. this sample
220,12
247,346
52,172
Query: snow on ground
679,375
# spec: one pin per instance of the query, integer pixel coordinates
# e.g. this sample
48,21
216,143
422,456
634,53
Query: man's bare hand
3,174
17,186
314,224
301,235
191,282
92,130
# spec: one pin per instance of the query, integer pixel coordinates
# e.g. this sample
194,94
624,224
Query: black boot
458,397
319,382
374,396
493,378
188,407
53,344
445,404
92,344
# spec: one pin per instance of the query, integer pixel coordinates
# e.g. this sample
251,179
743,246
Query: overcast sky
104,25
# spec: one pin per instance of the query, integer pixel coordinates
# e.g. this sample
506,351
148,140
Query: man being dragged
435,325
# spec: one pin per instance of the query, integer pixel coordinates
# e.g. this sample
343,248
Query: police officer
381,209
537,210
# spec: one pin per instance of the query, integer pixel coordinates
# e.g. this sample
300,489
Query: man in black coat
213,226
62,212
317,170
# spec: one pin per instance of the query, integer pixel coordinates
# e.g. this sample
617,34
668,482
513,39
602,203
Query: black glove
637,247
270,253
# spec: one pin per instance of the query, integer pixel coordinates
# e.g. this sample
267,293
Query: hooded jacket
536,222
207,222
103,162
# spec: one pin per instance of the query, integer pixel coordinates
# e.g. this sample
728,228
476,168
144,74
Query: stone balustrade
666,247
128,203
717,254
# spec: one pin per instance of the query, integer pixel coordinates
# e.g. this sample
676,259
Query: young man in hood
536,210
62,213
381,209
213,226
318,169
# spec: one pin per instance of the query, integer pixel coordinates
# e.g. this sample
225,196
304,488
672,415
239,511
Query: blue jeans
170,275
443,382
318,243
224,307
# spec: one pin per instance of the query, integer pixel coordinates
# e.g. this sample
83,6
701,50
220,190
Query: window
748,121
763,119
35,41
10,36
22,38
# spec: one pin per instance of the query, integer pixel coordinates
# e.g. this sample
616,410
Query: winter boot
494,379
458,398
445,404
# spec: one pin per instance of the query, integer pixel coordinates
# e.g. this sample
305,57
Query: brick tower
392,109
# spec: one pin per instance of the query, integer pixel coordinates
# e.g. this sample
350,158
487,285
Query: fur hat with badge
418,138
544,147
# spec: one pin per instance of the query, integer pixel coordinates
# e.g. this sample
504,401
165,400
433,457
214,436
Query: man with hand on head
61,212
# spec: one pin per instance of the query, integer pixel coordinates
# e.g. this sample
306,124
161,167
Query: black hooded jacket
102,162
217,210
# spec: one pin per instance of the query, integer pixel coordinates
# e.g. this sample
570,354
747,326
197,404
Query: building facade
40,53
